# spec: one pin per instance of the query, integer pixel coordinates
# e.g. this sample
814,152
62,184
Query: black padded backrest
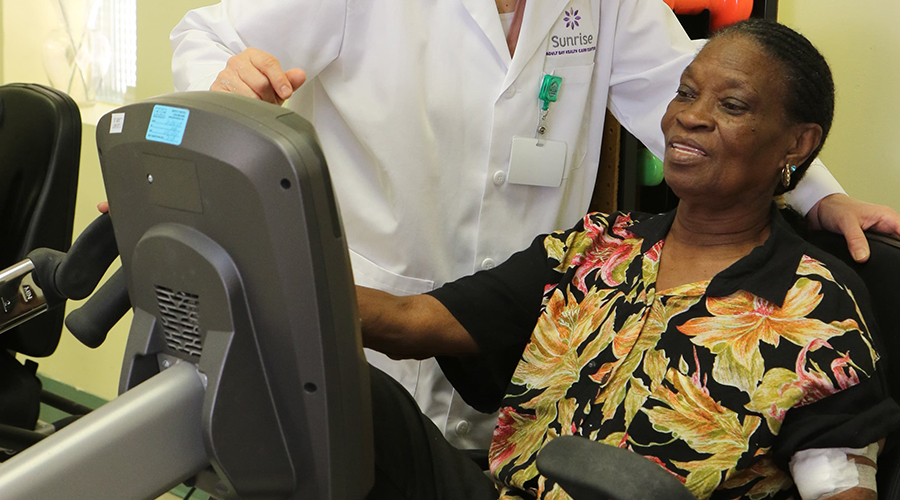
40,144
881,273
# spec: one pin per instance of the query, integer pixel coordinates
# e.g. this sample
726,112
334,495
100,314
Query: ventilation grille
178,311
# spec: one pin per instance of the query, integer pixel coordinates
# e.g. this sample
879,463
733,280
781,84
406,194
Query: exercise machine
243,372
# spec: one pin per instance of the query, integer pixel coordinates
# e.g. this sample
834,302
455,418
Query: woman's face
726,129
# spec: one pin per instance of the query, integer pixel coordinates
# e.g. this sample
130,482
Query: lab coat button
510,92
499,177
488,264
462,428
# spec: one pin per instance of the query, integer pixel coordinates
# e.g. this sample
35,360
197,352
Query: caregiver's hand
258,74
842,214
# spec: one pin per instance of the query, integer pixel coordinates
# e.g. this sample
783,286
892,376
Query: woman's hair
809,86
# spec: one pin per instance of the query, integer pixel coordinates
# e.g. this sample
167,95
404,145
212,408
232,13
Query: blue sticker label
167,124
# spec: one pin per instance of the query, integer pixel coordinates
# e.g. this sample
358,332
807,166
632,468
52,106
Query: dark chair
881,273
589,470
40,144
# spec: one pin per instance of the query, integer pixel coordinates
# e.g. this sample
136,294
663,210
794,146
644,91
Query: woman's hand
842,214
412,327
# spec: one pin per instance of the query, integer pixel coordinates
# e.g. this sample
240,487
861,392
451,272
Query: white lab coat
416,103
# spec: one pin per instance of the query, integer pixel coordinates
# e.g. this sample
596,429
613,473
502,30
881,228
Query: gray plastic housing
235,260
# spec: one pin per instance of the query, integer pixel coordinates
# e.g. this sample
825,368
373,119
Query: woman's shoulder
824,266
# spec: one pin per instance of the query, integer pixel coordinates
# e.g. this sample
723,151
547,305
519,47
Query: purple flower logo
572,18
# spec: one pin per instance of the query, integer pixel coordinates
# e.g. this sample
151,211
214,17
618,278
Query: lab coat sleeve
304,34
651,51
816,184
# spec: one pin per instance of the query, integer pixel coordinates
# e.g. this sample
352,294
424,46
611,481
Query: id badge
537,162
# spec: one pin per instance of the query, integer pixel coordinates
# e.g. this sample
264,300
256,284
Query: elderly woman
712,340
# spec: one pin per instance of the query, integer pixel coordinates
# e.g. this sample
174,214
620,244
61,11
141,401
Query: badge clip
549,93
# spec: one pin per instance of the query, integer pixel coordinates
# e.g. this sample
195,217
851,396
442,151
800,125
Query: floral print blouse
720,382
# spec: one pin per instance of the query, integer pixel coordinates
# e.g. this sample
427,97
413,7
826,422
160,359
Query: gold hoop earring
786,174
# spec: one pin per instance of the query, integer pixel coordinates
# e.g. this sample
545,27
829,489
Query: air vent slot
181,324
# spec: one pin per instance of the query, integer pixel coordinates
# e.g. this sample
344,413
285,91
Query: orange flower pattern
700,384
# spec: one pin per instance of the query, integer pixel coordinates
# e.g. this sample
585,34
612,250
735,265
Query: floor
197,495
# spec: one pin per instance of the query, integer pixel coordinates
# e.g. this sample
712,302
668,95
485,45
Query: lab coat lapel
539,18
484,12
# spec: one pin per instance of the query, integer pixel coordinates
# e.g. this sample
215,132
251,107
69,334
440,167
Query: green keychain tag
550,90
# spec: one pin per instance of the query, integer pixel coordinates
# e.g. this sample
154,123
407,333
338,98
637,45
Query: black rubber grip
92,321
46,261
88,259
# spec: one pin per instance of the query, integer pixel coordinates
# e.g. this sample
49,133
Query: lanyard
547,94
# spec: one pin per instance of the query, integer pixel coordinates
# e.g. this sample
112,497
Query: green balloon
650,168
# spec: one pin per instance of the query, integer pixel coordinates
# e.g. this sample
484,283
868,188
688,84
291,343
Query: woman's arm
837,474
411,327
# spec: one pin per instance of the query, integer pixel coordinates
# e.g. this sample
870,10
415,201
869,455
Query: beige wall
156,18
862,44
25,24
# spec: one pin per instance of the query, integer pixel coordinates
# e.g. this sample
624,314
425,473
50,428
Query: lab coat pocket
367,273
566,118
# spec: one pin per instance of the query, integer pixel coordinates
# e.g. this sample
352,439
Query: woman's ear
807,137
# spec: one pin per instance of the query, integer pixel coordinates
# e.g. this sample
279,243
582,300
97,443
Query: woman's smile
684,151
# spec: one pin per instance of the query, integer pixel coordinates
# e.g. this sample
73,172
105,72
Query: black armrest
17,439
587,470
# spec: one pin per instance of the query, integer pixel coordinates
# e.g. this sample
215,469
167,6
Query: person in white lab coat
428,114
